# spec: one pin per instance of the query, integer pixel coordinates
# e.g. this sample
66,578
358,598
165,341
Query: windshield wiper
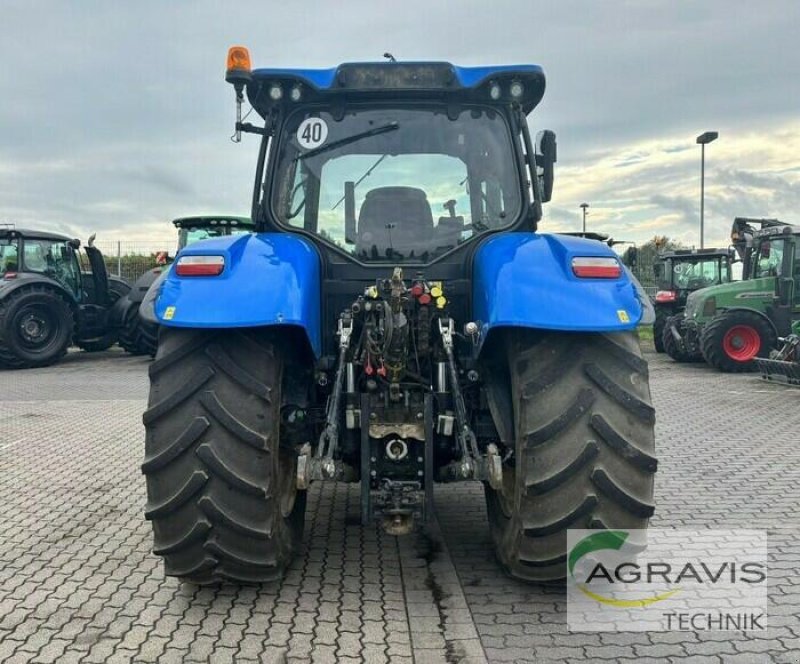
392,126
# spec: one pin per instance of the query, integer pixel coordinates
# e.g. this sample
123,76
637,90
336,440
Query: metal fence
641,264
644,273
130,259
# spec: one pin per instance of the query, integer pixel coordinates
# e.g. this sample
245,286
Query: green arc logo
600,541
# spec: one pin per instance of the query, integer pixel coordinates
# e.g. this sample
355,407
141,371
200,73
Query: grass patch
646,332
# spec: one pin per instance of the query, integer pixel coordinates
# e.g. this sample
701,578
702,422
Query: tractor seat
396,218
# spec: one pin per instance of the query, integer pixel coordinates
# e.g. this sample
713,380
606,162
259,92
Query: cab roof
782,229
10,232
401,80
707,252
213,220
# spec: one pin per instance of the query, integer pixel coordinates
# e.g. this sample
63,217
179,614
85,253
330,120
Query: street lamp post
702,140
584,206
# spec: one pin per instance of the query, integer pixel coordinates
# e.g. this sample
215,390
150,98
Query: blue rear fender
269,279
526,280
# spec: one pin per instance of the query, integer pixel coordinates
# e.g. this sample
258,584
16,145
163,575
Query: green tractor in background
732,324
679,273
139,336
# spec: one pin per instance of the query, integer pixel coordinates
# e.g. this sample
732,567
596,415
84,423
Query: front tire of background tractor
671,346
584,453
36,328
658,330
733,339
221,489
137,336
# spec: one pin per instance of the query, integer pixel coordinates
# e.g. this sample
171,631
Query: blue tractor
396,321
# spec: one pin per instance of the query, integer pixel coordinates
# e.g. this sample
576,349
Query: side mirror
631,257
350,212
658,271
546,157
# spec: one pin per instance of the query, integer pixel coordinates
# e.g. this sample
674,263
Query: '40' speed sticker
312,133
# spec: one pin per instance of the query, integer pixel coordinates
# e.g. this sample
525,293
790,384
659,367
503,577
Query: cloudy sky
115,118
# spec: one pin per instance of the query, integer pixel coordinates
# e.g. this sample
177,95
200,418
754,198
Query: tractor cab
678,274
775,262
30,254
397,163
743,234
682,271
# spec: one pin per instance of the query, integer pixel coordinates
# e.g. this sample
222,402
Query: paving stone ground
78,582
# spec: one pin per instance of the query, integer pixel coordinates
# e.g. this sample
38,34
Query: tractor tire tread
212,463
563,474
563,521
137,336
585,447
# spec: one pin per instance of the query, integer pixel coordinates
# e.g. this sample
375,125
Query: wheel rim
741,343
36,327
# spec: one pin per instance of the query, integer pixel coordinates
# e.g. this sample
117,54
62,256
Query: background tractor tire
658,330
36,327
220,487
585,449
137,336
671,347
733,339
116,291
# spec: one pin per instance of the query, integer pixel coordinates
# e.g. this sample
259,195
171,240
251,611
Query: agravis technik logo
637,580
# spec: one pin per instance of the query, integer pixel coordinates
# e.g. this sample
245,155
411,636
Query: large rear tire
36,328
733,339
221,488
584,451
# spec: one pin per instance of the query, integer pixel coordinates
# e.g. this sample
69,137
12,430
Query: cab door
787,293
99,276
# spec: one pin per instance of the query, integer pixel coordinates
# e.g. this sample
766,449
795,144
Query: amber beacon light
238,68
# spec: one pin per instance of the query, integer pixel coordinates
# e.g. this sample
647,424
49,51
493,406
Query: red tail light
596,267
666,296
200,266
10,275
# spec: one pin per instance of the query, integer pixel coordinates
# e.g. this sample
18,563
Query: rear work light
200,266
666,296
596,267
